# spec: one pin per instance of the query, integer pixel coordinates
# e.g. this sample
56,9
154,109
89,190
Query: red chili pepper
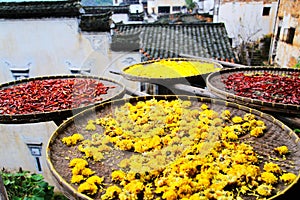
265,86
51,94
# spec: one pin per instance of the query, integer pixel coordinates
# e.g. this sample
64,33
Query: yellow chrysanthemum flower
112,192
269,178
88,188
288,177
282,150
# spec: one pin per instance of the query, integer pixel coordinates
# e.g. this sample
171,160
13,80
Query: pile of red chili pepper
50,95
267,87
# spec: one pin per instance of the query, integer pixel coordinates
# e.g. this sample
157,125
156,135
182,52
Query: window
36,152
290,35
164,9
128,2
20,73
230,41
266,11
278,33
149,88
176,8
80,71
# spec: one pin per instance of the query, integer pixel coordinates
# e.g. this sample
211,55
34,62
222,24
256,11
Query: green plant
190,4
297,66
59,196
24,185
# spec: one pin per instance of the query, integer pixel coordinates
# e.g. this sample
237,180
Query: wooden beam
3,193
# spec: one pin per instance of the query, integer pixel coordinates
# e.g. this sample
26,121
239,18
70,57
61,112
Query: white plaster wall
45,43
244,21
156,3
286,51
14,152
53,45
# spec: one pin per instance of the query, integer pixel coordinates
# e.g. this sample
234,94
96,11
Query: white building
164,6
47,40
285,49
246,21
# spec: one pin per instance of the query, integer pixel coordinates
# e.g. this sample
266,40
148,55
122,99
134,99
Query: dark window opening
38,164
36,152
230,41
176,8
80,71
143,87
266,11
278,33
129,2
149,88
164,9
290,35
20,73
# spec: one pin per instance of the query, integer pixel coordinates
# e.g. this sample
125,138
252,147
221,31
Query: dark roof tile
95,22
105,9
39,9
209,40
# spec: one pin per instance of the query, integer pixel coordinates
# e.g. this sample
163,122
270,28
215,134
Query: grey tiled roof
105,9
157,41
38,9
95,22
98,18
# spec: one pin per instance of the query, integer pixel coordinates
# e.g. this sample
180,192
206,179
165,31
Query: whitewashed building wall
245,21
153,5
50,46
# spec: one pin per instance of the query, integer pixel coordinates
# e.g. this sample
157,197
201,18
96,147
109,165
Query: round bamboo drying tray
198,79
217,87
276,134
62,114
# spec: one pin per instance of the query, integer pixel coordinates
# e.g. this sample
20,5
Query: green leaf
8,182
37,177
43,184
18,198
25,186
39,198
21,174
38,192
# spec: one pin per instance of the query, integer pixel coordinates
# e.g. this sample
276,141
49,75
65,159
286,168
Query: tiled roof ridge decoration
98,18
105,9
96,22
126,42
136,16
158,41
163,24
39,9
185,18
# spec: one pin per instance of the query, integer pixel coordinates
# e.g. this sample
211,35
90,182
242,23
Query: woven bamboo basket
277,134
217,87
114,93
198,79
